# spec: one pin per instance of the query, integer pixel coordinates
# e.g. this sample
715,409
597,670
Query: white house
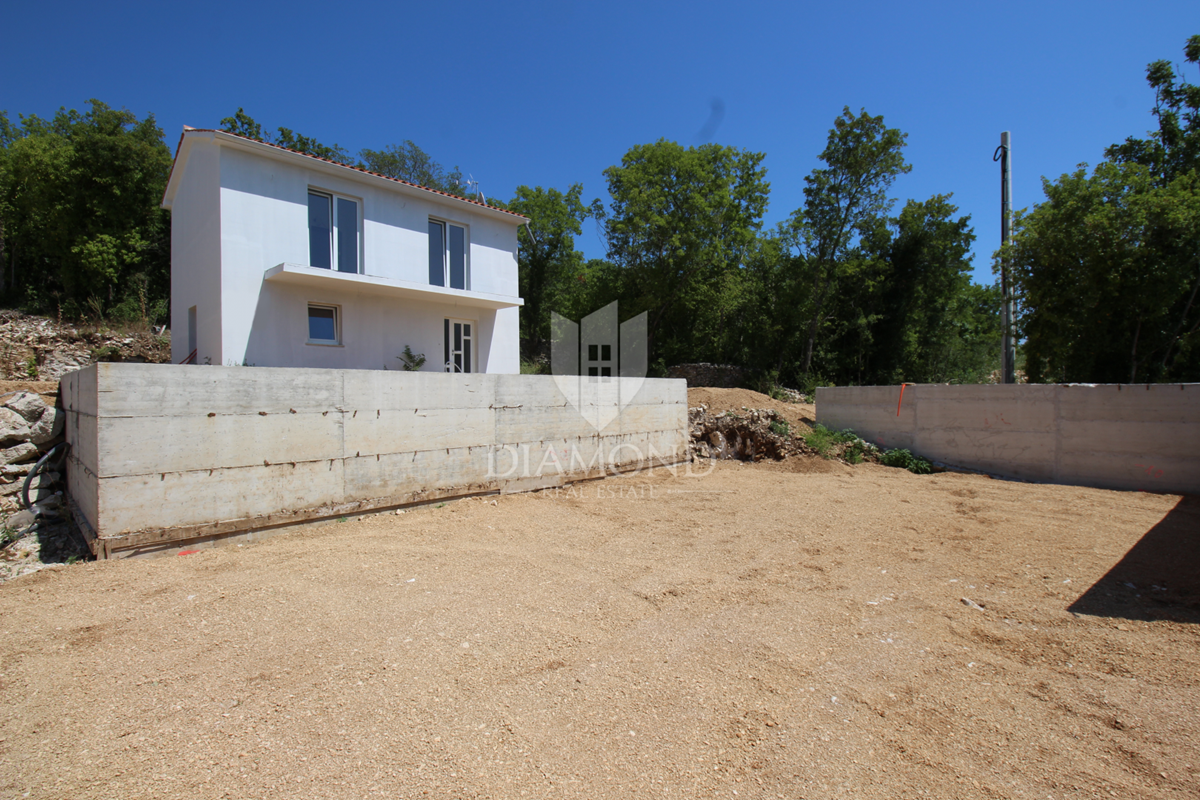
281,259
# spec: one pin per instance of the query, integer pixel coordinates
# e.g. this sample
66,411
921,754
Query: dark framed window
334,240
324,324
448,255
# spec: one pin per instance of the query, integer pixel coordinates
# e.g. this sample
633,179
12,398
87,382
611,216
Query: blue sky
553,93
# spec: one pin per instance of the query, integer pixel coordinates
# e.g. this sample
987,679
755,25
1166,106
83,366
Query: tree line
849,289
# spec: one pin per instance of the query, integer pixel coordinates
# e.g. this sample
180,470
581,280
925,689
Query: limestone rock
48,426
13,427
22,519
22,452
27,404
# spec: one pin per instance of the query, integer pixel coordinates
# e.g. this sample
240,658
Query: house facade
281,259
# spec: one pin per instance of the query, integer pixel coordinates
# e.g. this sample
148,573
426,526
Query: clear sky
552,93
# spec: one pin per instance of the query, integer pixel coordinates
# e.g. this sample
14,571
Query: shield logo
598,365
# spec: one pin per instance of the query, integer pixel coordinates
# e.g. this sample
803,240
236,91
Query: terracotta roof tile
187,130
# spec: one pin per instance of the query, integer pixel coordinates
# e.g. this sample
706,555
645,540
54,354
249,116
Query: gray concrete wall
1109,436
165,454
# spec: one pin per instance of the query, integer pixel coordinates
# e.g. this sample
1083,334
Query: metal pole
1008,359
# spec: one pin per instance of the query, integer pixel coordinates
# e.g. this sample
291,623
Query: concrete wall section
169,454
1144,437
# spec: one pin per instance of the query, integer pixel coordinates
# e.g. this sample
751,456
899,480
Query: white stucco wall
263,222
196,255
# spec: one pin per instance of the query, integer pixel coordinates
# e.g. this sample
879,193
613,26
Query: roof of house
223,134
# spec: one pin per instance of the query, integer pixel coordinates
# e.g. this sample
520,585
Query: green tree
934,326
408,162
1107,269
80,215
681,219
844,202
1106,273
1173,149
548,265
405,161
243,124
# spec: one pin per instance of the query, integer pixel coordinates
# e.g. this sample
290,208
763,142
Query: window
333,240
458,345
324,324
599,361
447,255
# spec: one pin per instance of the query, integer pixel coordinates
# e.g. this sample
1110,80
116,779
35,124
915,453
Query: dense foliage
81,231
1107,270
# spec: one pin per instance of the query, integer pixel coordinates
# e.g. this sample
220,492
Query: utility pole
1003,154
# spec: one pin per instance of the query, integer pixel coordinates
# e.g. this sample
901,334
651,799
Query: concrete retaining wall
1108,436
162,455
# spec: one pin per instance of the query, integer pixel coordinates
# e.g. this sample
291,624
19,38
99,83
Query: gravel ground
761,631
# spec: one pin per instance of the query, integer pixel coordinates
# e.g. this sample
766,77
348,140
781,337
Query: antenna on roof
473,186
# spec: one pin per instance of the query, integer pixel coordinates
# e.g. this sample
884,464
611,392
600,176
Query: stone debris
748,435
36,537
37,348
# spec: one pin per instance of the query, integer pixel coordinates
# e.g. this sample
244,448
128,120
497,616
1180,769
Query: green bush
903,459
822,440
780,427
533,367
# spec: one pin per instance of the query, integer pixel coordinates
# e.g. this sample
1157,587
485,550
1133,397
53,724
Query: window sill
324,344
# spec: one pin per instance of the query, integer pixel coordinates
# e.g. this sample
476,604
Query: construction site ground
792,630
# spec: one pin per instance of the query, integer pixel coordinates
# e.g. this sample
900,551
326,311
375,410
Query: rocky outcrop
38,348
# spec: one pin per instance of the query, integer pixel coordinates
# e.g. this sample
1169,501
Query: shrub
780,427
903,459
533,367
410,361
822,440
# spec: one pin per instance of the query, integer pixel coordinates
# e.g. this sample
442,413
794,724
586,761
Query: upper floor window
447,254
333,232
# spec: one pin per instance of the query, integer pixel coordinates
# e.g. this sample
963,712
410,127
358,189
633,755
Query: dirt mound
44,388
718,400
745,425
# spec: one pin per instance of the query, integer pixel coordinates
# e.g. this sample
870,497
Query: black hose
41,463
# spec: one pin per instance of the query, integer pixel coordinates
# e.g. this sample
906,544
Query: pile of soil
798,415
866,633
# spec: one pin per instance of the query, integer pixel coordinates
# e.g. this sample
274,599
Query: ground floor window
324,324
458,338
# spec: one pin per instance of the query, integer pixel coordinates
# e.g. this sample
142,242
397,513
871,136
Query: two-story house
282,259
